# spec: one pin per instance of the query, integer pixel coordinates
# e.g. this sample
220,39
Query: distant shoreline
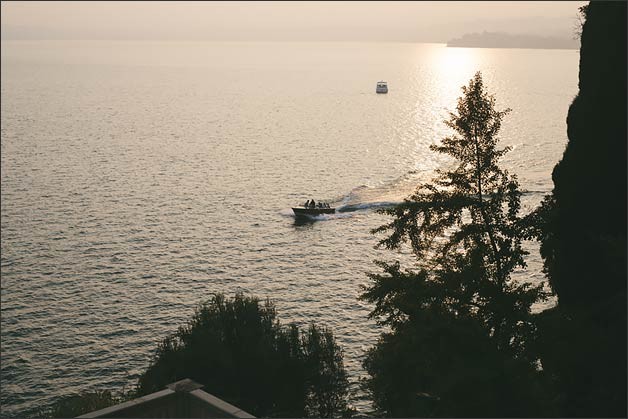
505,40
509,47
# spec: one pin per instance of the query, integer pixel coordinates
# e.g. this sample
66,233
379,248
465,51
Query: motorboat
382,87
309,211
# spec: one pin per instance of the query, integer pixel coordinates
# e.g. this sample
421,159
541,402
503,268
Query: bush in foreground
238,350
78,404
241,353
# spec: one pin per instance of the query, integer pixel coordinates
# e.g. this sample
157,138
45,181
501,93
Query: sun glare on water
455,67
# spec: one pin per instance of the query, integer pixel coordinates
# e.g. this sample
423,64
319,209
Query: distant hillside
506,40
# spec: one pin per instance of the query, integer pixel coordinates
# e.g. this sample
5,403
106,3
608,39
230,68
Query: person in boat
312,204
307,203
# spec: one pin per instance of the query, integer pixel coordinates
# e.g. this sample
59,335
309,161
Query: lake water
139,178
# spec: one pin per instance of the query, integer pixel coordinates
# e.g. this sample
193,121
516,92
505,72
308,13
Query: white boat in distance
382,87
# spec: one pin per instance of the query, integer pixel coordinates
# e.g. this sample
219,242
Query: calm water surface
139,178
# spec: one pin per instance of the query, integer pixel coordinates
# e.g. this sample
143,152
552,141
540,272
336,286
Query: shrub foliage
241,353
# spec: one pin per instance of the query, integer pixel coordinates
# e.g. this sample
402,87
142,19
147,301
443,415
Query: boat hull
312,212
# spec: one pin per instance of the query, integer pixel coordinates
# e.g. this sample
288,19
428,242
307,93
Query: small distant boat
382,87
312,212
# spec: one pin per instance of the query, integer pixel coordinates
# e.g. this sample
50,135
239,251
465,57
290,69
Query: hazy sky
332,20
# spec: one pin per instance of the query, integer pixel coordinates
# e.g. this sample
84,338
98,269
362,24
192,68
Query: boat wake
366,198
367,206
371,198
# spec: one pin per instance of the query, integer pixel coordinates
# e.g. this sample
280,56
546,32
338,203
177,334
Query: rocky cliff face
590,181
586,250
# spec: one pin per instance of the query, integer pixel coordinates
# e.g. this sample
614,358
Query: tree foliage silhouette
466,234
240,352
77,404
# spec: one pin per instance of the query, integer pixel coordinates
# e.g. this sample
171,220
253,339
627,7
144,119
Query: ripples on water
140,178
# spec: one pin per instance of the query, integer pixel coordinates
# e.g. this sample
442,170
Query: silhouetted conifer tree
459,305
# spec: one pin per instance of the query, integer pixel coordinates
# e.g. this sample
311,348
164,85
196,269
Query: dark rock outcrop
585,245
